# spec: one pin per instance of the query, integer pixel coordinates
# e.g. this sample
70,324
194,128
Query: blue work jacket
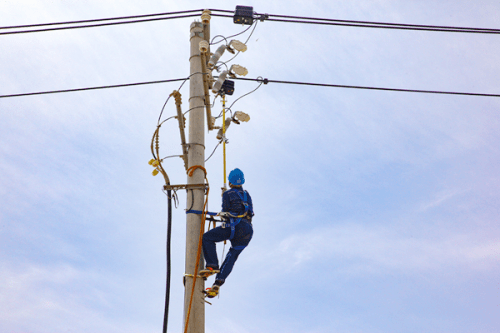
232,203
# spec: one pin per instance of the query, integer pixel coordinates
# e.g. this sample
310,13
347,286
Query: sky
375,211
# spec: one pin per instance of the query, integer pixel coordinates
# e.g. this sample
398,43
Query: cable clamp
186,186
265,81
262,17
191,275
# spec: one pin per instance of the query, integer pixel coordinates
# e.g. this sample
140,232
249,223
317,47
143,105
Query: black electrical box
243,15
227,87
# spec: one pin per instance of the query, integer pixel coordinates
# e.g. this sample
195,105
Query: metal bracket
185,186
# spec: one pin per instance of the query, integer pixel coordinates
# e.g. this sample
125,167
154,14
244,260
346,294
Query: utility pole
195,309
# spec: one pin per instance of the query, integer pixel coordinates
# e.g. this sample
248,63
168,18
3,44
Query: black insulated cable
387,25
99,20
90,88
265,81
169,264
97,24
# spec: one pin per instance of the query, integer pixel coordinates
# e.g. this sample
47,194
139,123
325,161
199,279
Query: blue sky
375,211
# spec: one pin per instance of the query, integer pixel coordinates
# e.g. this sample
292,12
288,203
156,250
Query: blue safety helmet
236,177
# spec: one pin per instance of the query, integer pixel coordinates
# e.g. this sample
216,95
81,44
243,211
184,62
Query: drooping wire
229,108
216,146
171,157
168,98
226,38
251,92
254,26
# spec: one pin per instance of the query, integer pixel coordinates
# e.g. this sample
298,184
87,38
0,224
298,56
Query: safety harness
235,219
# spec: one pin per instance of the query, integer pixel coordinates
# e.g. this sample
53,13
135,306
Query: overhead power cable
96,25
265,81
367,24
419,26
41,27
91,88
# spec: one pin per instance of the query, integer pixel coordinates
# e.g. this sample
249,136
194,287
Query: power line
388,24
121,20
265,81
97,25
98,20
368,24
91,88
268,17
394,27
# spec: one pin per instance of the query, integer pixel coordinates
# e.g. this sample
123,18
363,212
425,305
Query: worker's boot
204,273
212,292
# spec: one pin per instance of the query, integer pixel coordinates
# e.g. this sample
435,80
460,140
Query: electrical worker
237,208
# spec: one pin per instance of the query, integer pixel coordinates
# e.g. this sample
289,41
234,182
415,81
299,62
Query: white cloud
58,298
379,250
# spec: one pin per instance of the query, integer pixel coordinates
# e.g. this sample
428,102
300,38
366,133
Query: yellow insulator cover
151,161
155,172
155,163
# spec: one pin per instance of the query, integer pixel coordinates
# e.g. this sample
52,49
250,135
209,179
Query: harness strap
233,221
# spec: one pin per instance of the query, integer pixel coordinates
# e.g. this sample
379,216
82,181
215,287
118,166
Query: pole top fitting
205,16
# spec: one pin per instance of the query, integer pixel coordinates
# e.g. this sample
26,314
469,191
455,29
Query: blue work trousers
242,236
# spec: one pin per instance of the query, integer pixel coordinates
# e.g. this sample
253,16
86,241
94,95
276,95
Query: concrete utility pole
196,156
